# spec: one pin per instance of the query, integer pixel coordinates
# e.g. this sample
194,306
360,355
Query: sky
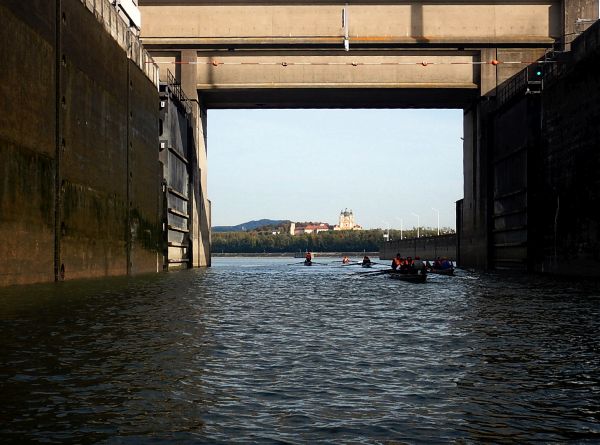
387,166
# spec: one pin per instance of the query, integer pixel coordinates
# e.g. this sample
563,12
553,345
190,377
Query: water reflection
260,351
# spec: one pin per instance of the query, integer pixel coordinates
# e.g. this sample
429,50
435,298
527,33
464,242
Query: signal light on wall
535,80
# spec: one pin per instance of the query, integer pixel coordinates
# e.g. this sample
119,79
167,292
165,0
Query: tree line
265,241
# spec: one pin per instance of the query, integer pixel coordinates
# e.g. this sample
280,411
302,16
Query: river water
260,351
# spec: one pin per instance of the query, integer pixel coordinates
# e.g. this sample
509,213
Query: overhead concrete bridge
381,53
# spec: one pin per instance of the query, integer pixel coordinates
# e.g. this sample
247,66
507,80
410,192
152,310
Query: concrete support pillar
200,206
474,229
488,75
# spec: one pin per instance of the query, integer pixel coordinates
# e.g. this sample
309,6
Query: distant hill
250,225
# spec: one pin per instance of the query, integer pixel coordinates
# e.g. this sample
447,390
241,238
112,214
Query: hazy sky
308,165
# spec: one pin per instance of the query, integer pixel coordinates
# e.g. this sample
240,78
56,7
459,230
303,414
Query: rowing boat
411,276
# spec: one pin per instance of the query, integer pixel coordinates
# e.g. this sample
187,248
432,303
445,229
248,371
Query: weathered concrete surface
428,248
291,54
361,69
473,230
93,154
568,228
578,15
145,194
491,23
532,203
27,141
80,170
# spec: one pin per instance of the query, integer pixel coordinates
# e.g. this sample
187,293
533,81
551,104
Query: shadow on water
256,350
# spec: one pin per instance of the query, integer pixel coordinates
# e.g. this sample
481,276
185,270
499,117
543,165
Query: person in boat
410,264
418,264
397,262
437,263
345,260
366,261
403,264
308,257
445,264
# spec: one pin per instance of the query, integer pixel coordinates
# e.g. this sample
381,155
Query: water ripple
257,351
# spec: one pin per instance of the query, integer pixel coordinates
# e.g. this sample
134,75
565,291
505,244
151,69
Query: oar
375,272
293,264
379,272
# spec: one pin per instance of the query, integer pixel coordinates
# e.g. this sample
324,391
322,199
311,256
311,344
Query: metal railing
515,86
114,24
177,91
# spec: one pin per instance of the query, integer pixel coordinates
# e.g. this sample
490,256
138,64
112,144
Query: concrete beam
319,24
359,70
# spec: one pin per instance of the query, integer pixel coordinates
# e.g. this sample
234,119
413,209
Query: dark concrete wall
514,135
80,165
473,226
569,225
145,176
481,162
93,156
27,141
427,248
532,189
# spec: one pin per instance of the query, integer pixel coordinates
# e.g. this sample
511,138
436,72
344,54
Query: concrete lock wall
27,141
568,227
427,248
81,180
532,192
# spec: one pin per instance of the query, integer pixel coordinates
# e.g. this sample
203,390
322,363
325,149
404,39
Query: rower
418,264
366,261
397,262
345,260
445,264
308,258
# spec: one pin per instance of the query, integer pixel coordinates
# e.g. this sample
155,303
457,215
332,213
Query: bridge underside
338,98
329,78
